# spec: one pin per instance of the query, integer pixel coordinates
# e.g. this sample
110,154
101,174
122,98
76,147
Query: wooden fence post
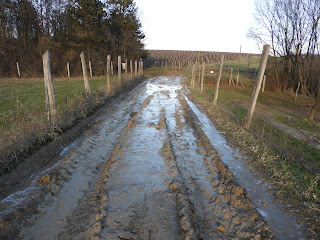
231,77
257,85
111,67
85,74
199,78
237,82
202,76
108,73
193,76
126,67
119,69
135,68
141,67
90,68
297,91
18,69
218,82
263,83
48,83
68,69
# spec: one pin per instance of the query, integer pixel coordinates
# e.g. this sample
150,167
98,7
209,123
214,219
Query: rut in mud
147,170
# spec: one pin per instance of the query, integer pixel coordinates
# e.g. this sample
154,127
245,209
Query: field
283,142
23,119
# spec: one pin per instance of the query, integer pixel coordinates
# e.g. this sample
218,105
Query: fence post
202,77
135,68
263,83
18,69
297,91
119,69
85,74
48,83
126,66
68,69
199,78
257,85
90,68
248,65
237,82
141,67
108,73
231,77
193,77
111,67
218,82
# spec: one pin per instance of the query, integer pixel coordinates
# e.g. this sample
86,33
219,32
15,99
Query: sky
205,25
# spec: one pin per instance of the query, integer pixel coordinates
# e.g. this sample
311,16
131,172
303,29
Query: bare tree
291,27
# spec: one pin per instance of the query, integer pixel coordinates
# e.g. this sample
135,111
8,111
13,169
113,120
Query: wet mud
146,170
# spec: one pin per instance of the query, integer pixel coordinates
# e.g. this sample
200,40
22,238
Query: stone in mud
257,237
215,183
96,227
185,224
173,186
45,179
95,238
221,229
191,235
238,191
243,234
183,212
221,189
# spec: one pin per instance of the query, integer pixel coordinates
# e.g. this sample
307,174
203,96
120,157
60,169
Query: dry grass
23,120
291,165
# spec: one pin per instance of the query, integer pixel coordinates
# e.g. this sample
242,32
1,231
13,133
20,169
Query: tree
291,27
85,19
125,28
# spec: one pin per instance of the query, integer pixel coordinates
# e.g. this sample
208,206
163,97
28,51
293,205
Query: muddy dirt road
151,167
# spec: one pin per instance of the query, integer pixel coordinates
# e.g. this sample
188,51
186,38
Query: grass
23,119
243,64
292,165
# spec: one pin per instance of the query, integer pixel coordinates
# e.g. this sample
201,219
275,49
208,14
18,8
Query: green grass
23,120
23,97
243,64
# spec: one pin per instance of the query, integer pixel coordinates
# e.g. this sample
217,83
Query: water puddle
81,159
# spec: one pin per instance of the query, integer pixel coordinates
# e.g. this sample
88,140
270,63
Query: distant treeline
28,28
174,57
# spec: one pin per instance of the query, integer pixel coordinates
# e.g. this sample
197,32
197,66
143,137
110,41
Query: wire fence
24,113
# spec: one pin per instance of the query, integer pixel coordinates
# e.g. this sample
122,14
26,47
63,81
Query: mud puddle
282,224
70,178
151,168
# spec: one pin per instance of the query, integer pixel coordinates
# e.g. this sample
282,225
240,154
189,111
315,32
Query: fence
26,104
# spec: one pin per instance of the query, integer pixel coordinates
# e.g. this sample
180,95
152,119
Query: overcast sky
206,25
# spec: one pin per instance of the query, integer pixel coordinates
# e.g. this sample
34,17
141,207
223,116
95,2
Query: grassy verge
291,165
23,119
